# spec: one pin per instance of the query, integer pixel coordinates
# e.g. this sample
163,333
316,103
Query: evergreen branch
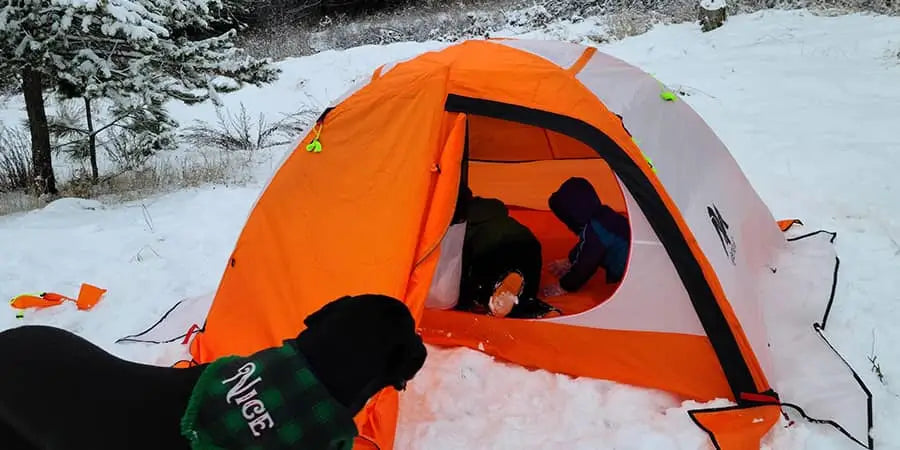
68,128
114,122
59,146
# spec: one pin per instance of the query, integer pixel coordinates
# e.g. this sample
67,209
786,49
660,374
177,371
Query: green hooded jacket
270,400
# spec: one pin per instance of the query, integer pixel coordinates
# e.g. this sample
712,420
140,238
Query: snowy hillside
808,106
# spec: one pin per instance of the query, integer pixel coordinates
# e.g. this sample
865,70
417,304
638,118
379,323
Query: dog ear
323,312
405,361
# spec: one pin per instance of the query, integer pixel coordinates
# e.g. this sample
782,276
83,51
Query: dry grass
454,20
18,201
164,173
241,132
15,159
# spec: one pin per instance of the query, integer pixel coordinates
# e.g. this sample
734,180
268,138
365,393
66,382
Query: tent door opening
521,166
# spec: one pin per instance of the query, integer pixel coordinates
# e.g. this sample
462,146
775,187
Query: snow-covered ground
808,106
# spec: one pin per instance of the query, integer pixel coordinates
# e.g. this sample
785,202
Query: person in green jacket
502,261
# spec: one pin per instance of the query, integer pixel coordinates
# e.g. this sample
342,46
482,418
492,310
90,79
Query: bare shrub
291,39
18,201
8,90
382,29
467,19
79,185
239,132
627,23
10,85
212,167
192,170
123,151
16,171
400,21
163,173
142,171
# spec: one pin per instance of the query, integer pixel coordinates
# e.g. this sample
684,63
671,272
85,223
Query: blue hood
575,203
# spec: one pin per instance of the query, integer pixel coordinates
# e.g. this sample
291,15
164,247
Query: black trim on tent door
462,196
723,341
136,337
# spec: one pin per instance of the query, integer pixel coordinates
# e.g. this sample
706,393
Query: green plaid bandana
267,401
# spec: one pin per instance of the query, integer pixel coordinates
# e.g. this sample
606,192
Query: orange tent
367,211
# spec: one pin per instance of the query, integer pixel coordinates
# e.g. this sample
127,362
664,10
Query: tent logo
721,227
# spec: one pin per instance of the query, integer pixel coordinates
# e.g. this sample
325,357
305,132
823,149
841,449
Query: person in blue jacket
603,237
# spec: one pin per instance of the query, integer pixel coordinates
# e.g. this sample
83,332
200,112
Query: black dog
59,391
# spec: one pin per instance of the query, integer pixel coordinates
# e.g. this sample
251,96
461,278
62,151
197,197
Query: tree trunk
41,157
92,141
712,14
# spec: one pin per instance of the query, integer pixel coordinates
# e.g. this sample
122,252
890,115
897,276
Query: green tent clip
315,146
646,158
650,161
665,94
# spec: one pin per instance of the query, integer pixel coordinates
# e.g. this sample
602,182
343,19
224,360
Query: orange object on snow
44,300
88,296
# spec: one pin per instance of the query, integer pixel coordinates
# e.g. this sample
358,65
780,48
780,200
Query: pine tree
134,53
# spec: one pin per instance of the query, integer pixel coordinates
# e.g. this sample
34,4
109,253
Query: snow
807,105
69,205
712,5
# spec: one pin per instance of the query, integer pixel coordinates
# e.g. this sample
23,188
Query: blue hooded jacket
604,243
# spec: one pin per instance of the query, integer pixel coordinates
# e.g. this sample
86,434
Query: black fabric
574,203
59,391
12,440
465,194
532,308
359,345
495,245
661,220
324,114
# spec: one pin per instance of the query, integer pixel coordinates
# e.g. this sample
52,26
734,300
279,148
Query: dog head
359,345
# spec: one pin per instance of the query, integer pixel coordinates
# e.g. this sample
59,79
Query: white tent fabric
444,290
176,323
650,284
732,225
807,371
